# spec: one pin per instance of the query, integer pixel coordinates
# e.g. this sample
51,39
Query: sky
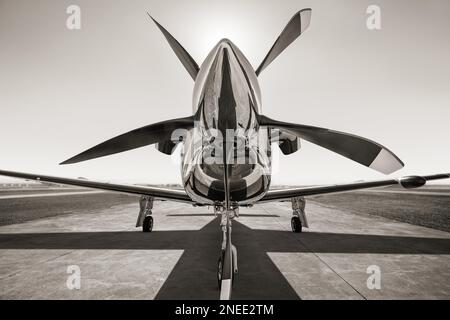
63,91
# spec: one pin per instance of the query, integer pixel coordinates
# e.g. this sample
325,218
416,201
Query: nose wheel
227,263
221,263
219,271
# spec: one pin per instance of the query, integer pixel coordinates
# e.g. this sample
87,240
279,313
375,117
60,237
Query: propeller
188,62
295,27
359,149
153,133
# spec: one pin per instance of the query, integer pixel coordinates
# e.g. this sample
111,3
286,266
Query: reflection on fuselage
227,134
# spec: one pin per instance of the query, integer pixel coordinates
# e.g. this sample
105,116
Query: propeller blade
359,149
154,133
295,27
185,58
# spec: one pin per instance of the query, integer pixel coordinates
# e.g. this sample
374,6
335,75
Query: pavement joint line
331,268
322,260
30,266
47,260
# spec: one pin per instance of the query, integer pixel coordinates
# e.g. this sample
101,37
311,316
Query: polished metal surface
227,153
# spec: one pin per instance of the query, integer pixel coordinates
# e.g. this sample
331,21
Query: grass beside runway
26,209
431,211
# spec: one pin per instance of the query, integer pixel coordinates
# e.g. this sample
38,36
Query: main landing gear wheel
147,225
296,225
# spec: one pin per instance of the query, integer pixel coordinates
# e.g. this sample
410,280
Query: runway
178,259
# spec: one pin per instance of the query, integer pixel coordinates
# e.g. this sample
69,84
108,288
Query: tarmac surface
333,259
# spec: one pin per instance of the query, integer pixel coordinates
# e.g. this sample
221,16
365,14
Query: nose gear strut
227,265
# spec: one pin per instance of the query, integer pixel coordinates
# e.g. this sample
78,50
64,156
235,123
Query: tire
147,225
296,225
219,272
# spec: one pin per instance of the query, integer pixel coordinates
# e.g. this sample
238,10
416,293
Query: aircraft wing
406,182
156,192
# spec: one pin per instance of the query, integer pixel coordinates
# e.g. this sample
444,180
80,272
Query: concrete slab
178,259
112,274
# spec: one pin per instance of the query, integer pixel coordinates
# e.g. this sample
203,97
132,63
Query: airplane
226,146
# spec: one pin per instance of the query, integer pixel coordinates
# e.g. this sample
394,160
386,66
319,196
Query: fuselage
226,150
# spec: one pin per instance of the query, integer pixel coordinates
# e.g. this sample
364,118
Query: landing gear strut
145,219
299,216
227,264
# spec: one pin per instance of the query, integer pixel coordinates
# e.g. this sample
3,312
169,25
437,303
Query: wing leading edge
156,192
407,182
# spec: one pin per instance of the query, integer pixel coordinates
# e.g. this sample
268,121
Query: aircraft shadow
194,275
212,215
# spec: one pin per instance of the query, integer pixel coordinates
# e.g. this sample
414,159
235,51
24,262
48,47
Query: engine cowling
287,142
166,147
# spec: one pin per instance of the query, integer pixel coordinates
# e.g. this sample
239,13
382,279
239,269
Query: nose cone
240,72
227,117
225,48
225,43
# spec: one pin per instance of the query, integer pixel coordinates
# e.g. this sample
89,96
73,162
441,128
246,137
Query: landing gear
145,220
298,220
227,264
147,226
219,271
221,265
296,225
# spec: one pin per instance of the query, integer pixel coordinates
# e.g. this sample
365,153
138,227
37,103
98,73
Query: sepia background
63,91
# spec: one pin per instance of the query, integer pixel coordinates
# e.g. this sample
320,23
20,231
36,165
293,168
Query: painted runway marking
39,195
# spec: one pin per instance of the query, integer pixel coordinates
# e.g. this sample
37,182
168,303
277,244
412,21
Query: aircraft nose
225,48
225,44
225,41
